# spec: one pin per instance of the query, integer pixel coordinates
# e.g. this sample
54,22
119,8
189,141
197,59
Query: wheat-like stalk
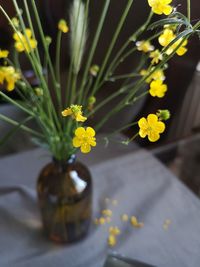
78,29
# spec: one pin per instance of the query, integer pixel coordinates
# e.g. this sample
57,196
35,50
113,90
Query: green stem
94,44
189,10
113,42
15,123
58,49
15,103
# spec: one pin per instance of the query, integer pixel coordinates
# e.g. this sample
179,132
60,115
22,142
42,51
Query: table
142,186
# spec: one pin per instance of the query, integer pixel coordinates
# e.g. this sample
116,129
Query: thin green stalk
113,42
123,76
94,45
15,123
58,50
31,27
15,103
118,59
55,83
69,91
189,10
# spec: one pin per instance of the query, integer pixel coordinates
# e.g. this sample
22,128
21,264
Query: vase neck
63,164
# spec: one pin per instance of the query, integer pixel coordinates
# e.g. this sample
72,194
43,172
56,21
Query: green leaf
170,21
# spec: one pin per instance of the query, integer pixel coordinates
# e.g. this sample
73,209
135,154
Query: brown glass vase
65,198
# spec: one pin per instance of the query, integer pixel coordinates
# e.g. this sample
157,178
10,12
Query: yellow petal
159,127
181,51
76,142
80,131
85,148
66,112
167,10
152,119
90,131
153,136
143,133
93,142
143,123
28,33
80,118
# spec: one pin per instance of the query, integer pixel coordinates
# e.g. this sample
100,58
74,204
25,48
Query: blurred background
179,147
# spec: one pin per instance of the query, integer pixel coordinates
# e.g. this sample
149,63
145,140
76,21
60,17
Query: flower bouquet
62,112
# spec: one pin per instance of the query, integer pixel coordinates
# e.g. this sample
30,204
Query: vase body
65,199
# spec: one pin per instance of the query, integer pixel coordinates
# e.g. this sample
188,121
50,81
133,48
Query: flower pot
65,199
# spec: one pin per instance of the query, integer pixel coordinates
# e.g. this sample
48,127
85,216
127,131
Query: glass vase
65,198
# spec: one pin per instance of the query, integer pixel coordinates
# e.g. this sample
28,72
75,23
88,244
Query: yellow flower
62,26
166,37
10,76
181,50
151,127
15,22
84,138
75,111
4,53
161,6
156,75
157,88
144,46
156,57
24,42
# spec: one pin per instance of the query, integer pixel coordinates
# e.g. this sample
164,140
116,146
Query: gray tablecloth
142,186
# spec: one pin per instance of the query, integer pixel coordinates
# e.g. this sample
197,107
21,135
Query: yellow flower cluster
151,127
144,46
24,42
167,37
9,76
161,6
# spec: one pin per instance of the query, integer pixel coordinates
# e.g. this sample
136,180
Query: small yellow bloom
156,57
10,76
151,127
157,88
144,46
114,230
62,26
161,6
24,42
4,53
156,75
181,50
134,221
166,37
76,112
84,138
112,241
